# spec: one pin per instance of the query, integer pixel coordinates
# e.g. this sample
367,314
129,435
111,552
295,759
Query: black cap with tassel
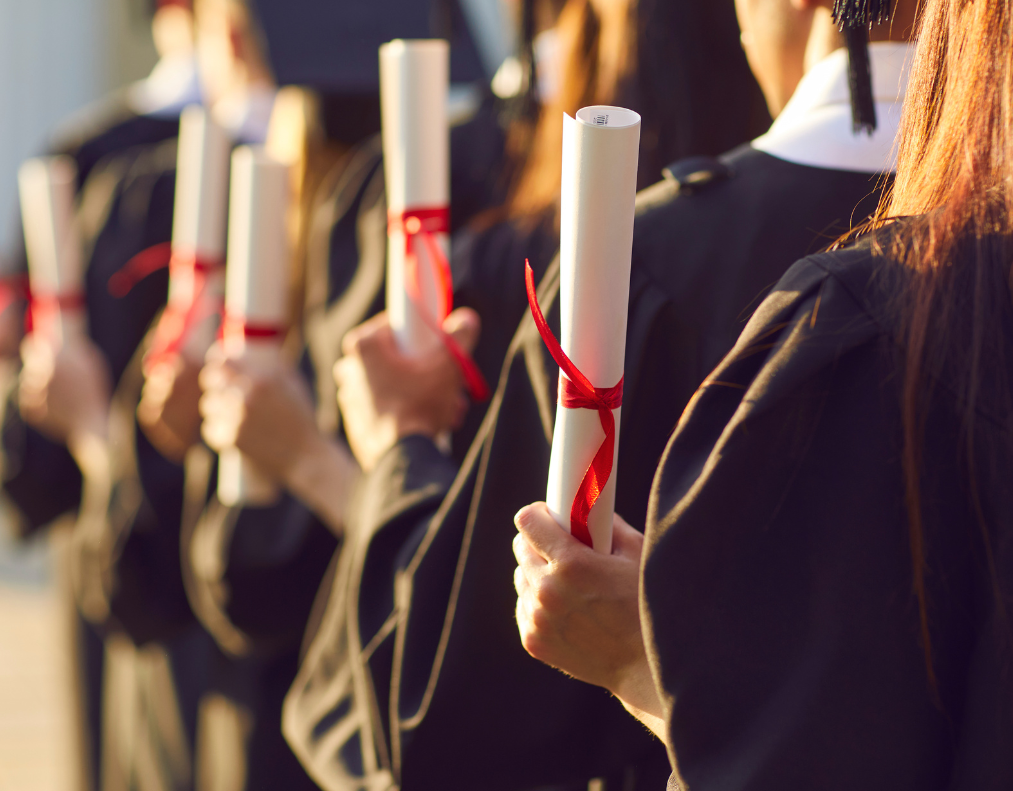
855,18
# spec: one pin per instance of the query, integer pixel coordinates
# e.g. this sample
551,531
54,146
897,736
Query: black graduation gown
252,573
777,579
125,207
416,673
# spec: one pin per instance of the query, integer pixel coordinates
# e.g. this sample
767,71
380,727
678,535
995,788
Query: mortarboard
332,45
855,18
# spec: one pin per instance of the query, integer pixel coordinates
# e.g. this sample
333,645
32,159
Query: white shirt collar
170,87
246,116
815,127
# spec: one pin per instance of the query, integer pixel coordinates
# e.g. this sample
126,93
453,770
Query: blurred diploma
256,296
198,230
47,187
599,185
416,162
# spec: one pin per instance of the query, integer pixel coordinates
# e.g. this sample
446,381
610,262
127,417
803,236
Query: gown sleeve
777,585
416,671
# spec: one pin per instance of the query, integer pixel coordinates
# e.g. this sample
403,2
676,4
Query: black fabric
488,269
778,576
419,639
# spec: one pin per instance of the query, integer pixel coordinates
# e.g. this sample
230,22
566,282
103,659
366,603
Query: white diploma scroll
199,227
416,160
47,187
599,185
256,295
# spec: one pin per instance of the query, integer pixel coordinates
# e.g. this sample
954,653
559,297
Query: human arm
268,415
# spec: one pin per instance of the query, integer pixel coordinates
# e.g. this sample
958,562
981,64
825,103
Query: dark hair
676,62
955,185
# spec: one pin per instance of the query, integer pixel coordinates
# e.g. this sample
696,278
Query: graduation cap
332,45
855,18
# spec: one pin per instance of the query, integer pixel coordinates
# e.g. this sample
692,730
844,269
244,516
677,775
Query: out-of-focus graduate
39,474
253,570
423,626
156,658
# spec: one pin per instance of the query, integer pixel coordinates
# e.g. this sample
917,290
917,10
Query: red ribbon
423,223
177,320
233,324
44,308
577,392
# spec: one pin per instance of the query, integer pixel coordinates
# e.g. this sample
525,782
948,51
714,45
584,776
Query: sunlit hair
955,183
596,51
666,59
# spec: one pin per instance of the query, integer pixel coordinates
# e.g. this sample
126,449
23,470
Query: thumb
364,333
542,532
464,325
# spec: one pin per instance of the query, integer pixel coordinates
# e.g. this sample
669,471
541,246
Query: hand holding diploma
386,394
578,610
64,391
64,388
168,411
414,79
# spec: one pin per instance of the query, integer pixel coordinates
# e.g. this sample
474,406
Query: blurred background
56,56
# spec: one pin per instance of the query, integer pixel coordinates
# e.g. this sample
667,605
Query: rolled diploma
599,185
256,289
416,163
47,186
199,218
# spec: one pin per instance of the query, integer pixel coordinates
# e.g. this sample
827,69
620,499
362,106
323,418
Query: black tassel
530,103
854,18
863,103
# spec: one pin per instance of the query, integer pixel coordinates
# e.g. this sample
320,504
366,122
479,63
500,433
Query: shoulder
739,176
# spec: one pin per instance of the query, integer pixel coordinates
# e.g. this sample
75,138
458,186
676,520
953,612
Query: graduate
39,474
434,609
826,572
127,574
253,570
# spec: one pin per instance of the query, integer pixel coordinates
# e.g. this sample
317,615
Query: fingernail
521,517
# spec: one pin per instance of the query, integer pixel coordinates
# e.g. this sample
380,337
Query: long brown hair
676,62
596,52
955,185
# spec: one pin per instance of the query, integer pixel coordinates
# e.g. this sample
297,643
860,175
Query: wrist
634,686
415,426
322,476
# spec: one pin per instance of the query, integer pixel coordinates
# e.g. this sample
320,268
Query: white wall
55,57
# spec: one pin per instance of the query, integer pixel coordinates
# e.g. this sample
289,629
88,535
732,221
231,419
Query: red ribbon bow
177,320
577,392
424,223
